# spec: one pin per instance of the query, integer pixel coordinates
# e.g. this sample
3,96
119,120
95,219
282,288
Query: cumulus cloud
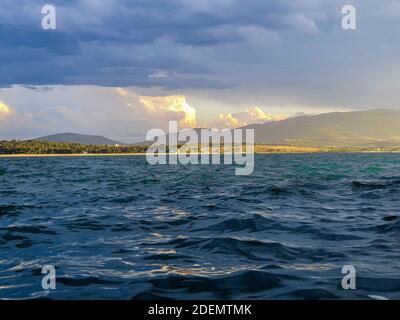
249,116
161,108
5,111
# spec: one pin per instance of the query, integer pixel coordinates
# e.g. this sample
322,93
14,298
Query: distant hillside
79,138
148,143
374,128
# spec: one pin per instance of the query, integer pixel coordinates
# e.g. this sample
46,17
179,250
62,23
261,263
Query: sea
116,227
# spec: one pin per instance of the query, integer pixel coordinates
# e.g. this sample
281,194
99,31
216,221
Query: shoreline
58,155
71,155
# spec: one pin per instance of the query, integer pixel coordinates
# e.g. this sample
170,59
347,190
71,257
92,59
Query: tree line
44,147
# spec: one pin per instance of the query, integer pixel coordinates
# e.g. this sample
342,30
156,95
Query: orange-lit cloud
249,116
176,106
162,108
5,111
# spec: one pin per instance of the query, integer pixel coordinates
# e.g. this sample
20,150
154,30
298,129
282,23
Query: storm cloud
223,56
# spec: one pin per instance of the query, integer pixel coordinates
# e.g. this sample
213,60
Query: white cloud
249,116
160,109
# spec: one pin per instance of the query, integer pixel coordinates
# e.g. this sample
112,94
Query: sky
120,68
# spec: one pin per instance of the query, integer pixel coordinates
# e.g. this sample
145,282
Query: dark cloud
277,48
112,42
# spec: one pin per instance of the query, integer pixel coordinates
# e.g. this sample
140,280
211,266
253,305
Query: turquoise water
118,228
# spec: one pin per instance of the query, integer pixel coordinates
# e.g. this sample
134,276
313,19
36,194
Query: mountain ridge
378,127
371,128
79,138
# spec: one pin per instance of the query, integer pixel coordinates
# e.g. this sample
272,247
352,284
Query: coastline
72,155
58,155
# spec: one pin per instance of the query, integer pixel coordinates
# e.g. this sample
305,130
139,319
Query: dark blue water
116,227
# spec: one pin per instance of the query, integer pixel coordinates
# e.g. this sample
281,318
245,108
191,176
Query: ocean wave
123,229
226,287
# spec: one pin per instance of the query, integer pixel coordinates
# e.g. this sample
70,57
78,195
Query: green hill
79,138
374,128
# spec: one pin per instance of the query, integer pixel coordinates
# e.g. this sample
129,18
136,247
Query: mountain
374,128
79,138
148,143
